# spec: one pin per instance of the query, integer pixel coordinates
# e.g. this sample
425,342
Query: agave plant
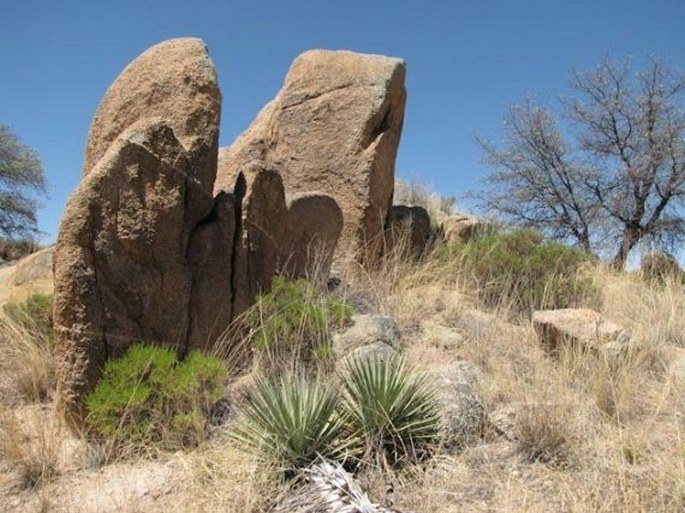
391,412
291,421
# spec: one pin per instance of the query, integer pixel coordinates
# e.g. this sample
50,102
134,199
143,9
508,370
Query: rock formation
146,249
174,80
334,127
122,265
314,225
408,230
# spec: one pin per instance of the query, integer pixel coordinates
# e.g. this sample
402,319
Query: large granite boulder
124,264
174,80
334,127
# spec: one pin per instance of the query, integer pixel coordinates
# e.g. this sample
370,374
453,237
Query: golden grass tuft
26,362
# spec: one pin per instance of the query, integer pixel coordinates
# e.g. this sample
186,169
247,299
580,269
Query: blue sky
466,62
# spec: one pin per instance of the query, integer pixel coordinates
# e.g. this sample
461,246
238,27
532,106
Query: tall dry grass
580,432
26,362
583,432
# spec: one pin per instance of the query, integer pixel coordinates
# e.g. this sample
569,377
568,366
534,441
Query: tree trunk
631,236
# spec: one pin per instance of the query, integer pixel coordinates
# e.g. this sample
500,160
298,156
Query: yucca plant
290,421
391,412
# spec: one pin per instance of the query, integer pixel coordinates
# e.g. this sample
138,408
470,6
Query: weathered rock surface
120,263
36,267
262,222
581,328
32,274
174,80
124,264
462,405
210,253
151,249
312,230
367,330
408,229
334,127
442,337
460,228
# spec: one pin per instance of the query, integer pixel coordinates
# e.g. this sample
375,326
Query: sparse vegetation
295,321
29,447
149,400
522,271
580,432
386,414
34,314
26,360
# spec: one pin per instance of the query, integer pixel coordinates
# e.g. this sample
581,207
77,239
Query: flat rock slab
581,328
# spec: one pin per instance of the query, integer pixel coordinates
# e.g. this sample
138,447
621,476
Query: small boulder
408,230
442,337
462,405
460,228
36,267
367,330
581,328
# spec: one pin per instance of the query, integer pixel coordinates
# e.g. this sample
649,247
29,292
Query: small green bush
521,270
149,399
33,314
290,421
296,319
391,412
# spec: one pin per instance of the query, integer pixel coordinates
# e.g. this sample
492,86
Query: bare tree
21,178
621,182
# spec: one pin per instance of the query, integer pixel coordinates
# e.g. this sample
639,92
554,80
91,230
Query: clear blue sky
467,60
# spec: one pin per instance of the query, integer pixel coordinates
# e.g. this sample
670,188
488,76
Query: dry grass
580,432
26,363
415,193
29,447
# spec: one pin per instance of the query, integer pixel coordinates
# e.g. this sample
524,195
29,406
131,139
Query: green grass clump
381,413
290,421
148,399
34,314
392,412
524,272
295,320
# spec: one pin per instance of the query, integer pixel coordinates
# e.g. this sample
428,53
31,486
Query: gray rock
462,405
367,330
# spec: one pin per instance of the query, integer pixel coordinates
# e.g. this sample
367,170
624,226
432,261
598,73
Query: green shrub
33,314
290,421
522,270
148,399
392,413
296,319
